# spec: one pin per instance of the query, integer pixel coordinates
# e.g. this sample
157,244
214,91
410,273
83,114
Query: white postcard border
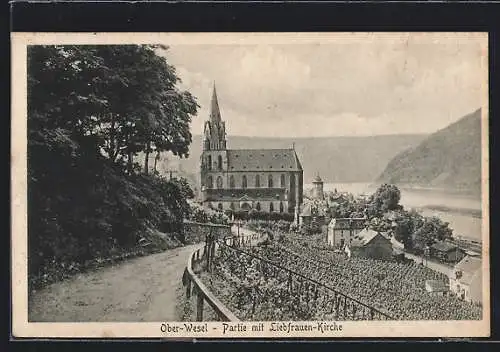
22,328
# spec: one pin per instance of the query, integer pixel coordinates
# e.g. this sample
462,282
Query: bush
200,214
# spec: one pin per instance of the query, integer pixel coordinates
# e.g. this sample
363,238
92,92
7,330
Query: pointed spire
214,109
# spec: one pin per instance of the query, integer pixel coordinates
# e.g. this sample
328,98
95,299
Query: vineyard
290,280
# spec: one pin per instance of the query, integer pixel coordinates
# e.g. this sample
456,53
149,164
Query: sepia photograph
250,185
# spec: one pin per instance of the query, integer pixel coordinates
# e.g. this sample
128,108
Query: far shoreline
475,213
450,191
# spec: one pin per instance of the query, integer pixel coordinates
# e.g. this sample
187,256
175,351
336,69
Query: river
463,213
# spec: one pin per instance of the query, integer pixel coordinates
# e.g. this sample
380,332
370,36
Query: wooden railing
194,285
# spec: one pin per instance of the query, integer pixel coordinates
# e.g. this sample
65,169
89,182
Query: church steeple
215,128
214,108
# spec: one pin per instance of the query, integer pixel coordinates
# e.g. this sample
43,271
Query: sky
375,86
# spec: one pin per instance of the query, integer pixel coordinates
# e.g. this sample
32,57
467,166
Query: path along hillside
144,289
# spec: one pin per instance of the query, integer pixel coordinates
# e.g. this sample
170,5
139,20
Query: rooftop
436,286
443,246
365,237
467,269
263,160
347,223
317,179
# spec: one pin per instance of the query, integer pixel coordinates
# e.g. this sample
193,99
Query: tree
386,198
431,230
91,109
406,225
124,96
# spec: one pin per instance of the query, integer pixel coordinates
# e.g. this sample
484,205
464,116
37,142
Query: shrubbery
261,215
91,111
201,214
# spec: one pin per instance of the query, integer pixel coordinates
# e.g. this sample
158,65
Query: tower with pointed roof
215,128
318,188
263,180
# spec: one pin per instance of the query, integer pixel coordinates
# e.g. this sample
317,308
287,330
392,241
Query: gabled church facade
267,180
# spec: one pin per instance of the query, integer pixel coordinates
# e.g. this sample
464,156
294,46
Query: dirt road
142,289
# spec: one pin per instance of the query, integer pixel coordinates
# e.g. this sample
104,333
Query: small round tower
318,188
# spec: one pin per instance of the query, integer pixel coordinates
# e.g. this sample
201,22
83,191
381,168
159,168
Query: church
266,180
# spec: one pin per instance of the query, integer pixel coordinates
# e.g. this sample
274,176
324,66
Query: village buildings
446,252
266,180
466,279
314,211
370,244
341,231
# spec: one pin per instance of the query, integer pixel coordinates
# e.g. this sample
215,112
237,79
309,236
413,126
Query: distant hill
337,159
448,159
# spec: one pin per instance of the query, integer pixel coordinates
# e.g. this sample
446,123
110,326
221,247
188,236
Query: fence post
188,288
254,298
199,306
345,307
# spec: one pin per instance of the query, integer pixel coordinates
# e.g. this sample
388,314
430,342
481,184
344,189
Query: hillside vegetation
448,159
91,110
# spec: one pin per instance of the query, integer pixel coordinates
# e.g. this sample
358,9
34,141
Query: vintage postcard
244,185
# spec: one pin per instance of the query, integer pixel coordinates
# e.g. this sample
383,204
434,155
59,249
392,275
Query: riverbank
462,212
453,210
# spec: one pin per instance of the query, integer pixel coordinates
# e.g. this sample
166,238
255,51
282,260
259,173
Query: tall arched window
219,182
210,182
281,207
271,207
219,206
257,181
270,181
219,162
257,206
209,162
244,182
231,181
282,181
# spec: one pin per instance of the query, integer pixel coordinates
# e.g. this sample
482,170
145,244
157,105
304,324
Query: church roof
263,160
